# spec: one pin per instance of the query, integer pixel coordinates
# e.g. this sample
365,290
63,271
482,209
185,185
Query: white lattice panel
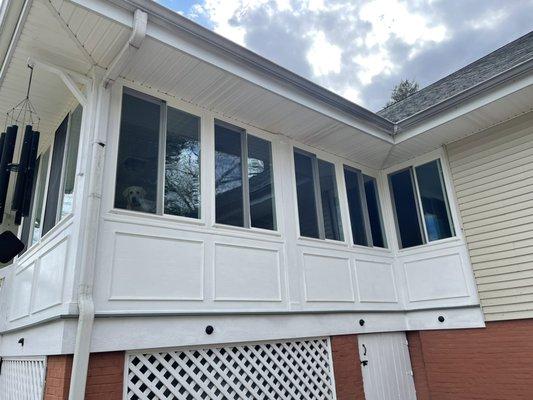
22,379
283,370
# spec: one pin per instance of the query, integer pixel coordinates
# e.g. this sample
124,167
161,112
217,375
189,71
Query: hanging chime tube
8,148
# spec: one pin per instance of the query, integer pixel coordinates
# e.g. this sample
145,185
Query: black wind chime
25,116
21,115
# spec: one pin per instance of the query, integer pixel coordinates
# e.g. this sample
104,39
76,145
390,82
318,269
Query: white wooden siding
493,178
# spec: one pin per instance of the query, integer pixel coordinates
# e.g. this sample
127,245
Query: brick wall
495,363
104,378
58,369
347,368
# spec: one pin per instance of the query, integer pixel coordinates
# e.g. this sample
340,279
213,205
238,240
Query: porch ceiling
94,39
174,73
43,37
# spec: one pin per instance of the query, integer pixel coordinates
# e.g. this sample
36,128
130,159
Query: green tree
402,90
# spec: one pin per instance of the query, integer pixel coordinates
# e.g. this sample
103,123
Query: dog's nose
135,201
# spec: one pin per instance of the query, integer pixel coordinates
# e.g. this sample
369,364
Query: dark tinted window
260,183
26,224
355,205
182,164
374,215
228,176
330,201
305,191
406,212
71,155
138,153
54,181
434,202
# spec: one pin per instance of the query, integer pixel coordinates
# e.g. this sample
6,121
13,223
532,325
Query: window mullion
364,206
419,207
245,183
59,206
318,199
161,162
446,197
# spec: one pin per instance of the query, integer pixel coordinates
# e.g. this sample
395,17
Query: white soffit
477,120
44,38
180,75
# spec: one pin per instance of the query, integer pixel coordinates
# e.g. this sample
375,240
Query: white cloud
489,20
372,65
362,48
392,19
324,57
224,14
352,94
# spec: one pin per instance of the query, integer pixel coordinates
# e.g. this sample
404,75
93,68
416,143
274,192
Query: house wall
105,376
493,178
474,364
347,368
166,264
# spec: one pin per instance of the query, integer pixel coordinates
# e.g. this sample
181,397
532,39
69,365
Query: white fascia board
112,333
465,108
167,33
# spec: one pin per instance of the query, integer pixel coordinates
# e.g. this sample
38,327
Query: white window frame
366,218
452,205
160,196
298,148
244,133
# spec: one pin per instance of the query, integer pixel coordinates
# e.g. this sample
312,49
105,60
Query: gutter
86,317
256,62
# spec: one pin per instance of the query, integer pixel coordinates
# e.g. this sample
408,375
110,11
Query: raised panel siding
493,178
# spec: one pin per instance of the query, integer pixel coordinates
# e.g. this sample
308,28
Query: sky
360,49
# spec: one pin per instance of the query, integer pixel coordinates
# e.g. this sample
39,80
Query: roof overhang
182,59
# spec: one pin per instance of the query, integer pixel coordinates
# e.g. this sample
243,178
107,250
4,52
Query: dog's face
134,196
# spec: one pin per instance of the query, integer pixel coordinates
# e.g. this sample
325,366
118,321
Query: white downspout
99,108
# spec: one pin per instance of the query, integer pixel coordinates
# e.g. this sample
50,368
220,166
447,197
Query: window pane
54,181
305,191
26,233
330,201
357,221
182,164
72,157
138,152
374,214
260,183
405,208
434,201
35,232
228,176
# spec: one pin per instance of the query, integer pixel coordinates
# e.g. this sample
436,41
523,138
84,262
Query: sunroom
184,179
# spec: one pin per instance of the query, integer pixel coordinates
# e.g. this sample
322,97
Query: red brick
104,379
492,363
347,368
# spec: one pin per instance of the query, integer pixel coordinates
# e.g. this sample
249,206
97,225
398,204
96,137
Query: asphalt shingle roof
493,64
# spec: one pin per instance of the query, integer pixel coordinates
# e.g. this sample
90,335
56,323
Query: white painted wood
22,378
387,374
172,265
274,370
492,172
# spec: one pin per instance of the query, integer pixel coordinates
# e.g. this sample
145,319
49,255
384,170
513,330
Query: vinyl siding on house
493,178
